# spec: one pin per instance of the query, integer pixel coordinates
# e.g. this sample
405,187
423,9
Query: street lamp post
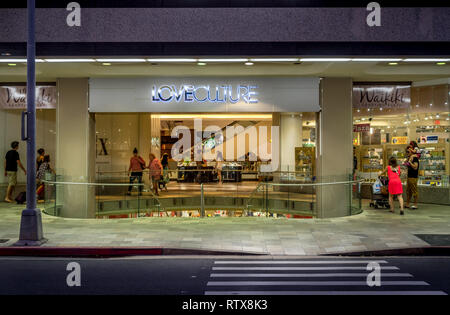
31,233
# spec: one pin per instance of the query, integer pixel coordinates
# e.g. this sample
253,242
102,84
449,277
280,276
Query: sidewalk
370,231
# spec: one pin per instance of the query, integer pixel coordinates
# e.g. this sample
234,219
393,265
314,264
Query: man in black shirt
11,161
413,175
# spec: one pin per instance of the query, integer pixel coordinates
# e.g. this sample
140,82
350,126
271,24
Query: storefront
12,103
387,116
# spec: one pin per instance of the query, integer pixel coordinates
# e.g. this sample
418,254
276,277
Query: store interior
425,121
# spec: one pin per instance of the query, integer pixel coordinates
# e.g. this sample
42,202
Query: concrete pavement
370,231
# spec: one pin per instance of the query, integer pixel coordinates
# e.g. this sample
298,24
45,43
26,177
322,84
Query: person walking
165,176
40,158
12,159
155,169
413,176
44,168
137,165
395,184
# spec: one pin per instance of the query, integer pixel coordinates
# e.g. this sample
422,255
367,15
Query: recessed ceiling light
249,63
106,64
12,64
201,64
393,63
441,63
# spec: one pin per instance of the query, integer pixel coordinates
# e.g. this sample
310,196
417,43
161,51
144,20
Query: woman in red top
137,165
395,184
155,168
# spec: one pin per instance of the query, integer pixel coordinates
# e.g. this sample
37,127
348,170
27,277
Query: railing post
202,202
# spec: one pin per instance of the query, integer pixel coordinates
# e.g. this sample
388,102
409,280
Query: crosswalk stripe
301,275
311,283
325,293
296,262
301,268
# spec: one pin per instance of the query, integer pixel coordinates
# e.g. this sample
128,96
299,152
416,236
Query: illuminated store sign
211,94
205,93
381,96
15,97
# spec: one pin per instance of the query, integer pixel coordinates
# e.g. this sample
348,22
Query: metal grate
435,239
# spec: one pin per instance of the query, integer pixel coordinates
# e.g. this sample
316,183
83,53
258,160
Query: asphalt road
224,276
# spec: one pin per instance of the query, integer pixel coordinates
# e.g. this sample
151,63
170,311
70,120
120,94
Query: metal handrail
297,184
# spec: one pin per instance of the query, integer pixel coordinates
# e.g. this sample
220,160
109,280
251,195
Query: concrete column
334,158
155,133
291,135
75,148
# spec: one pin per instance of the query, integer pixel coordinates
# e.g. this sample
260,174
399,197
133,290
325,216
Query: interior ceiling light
201,64
106,64
324,59
224,60
12,64
121,60
249,63
18,60
70,60
441,63
393,63
426,59
376,59
172,60
215,116
275,59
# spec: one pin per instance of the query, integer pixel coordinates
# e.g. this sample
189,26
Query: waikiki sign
15,97
222,93
367,96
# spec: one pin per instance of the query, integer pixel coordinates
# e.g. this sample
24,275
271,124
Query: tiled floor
371,230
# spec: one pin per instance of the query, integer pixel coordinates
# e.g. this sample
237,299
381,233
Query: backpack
21,197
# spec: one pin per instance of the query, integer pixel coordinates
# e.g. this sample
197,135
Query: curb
104,252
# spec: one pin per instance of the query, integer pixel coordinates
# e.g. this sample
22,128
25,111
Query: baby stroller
380,193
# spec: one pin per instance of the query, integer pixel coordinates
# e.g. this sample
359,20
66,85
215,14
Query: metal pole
202,202
31,233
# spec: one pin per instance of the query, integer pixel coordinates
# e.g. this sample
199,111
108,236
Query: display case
305,167
433,168
371,161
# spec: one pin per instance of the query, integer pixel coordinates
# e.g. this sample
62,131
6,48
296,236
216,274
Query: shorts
411,188
12,178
